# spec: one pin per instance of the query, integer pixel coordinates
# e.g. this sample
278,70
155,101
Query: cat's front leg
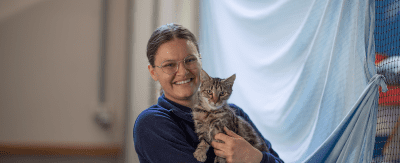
219,160
201,151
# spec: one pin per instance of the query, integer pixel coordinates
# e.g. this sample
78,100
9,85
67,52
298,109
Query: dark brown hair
167,33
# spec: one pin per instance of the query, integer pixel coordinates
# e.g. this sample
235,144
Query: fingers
231,133
219,153
222,136
217,145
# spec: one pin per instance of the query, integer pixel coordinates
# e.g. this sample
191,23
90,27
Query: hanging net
387,41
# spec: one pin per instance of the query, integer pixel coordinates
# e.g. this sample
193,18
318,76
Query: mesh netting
387,41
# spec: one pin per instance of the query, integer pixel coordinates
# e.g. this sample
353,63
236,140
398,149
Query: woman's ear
153,73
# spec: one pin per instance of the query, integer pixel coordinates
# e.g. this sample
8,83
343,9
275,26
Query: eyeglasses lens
171,66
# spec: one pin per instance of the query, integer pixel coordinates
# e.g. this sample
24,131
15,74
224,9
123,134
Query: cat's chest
213,118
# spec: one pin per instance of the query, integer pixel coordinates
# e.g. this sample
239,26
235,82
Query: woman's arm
272,156
235,148
158,139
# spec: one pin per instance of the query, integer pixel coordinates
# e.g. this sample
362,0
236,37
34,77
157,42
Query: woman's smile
183,81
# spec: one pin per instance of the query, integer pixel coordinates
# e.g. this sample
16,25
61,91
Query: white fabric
300,66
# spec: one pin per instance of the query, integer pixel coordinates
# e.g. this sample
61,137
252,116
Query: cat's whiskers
214,107
211,105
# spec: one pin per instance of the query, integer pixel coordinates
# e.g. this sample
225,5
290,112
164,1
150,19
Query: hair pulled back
167,33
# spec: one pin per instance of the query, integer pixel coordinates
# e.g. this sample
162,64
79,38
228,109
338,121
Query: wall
49,80
50,69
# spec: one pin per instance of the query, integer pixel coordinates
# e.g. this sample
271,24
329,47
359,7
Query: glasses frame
177,62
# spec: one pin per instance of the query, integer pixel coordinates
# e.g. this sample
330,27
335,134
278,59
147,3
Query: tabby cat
212,113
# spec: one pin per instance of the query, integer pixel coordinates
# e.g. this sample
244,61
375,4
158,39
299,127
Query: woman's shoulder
153,114
239,111
234,106
154,120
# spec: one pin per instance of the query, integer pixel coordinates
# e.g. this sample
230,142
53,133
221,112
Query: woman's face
181,85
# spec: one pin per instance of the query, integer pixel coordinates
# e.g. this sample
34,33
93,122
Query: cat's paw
219,160
200,155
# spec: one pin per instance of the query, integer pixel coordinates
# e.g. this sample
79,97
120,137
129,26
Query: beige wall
49,73
50,70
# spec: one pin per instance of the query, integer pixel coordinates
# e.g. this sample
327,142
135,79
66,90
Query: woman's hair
167,33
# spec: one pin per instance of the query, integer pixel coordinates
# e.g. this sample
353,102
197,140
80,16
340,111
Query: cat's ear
204,76
230,80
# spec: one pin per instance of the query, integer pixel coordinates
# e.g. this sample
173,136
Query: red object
379,58
392,96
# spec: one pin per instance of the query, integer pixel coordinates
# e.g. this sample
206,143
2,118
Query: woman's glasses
171,66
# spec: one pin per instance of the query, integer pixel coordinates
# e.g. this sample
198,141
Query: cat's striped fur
212,113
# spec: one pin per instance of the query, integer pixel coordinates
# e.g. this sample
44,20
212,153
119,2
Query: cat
211,113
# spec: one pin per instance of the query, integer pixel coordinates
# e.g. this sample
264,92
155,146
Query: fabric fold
302,71
356,133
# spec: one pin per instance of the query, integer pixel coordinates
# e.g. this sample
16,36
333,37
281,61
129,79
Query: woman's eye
190,60
169,65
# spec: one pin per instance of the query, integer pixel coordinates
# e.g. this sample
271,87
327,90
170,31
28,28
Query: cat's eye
222,94
209,92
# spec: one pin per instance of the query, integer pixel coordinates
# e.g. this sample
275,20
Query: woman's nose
182,69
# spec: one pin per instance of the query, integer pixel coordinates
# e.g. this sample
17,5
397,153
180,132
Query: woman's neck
189,102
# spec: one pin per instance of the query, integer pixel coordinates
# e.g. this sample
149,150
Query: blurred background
73,75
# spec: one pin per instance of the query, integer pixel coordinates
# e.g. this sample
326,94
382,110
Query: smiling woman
179,84
165,132
174,43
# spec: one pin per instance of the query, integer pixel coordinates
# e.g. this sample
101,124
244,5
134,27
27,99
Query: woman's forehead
191,47
176,49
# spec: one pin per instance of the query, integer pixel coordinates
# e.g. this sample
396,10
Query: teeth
183,82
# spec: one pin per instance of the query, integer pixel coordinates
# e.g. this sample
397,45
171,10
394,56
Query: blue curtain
305,72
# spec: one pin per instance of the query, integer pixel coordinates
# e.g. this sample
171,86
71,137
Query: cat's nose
215,98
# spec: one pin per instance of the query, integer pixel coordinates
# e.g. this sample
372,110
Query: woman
165,132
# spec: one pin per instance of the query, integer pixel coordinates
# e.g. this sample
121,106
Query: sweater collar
179,110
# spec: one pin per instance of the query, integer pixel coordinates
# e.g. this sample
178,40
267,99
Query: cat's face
215,92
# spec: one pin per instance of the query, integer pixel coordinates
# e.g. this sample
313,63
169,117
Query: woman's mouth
184,81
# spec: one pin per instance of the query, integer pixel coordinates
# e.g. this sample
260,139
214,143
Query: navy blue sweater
165,133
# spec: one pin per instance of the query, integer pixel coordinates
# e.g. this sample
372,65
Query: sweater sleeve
158,139
272,156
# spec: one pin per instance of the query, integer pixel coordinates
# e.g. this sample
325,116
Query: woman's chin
184,90
186,95
182,93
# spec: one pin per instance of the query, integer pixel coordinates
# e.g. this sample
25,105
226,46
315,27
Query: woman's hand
235,149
